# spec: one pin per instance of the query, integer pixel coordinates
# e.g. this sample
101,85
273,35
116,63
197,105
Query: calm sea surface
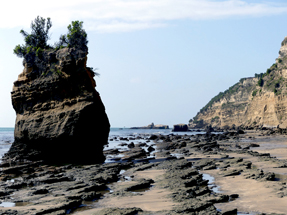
128,132
6,138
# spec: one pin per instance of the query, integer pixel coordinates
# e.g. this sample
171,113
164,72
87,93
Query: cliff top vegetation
34,51
226,94
273,80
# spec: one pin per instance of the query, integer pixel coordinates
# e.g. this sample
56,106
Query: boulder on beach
60,115
180,127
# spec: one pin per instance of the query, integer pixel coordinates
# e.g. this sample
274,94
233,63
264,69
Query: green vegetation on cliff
226,94
35,44
246,97
76,37
36,47
37,40
272,83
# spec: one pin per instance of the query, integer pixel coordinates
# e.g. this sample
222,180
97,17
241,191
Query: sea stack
60,115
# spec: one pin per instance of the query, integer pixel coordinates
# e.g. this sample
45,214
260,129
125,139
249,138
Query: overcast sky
160,60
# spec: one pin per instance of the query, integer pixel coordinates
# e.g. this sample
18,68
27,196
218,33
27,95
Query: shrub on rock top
36,46
37,40
76,37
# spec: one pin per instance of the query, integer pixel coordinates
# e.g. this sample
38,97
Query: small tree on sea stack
76,37
37,39
34,51
35,43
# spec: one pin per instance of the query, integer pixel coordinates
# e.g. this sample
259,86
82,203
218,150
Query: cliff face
252,102
60,115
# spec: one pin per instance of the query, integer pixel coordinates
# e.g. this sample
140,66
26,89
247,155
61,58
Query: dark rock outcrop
55,189
180,127
60,115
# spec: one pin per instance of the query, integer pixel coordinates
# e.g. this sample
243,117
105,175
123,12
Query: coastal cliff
259,101
60,115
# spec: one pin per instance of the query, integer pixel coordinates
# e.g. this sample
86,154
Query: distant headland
152,126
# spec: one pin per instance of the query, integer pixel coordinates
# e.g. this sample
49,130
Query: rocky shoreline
157,174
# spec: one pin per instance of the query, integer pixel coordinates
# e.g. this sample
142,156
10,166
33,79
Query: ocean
7,136
129,132
6,139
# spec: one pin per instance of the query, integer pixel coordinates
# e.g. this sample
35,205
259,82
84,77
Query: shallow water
7,138
7,204
115,145
142,190
128,132
12,204
281,177
215,189
211,184
144,135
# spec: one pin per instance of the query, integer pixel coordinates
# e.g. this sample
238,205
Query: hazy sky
160,60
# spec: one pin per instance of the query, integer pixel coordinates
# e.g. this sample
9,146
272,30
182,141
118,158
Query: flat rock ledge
43,189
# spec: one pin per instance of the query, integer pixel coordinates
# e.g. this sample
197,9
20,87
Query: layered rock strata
60,115
258,101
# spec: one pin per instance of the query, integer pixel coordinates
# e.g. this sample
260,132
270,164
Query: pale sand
153,200
256,196
277,148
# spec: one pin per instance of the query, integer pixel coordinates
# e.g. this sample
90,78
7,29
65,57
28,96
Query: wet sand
155,199
257,196
254,196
